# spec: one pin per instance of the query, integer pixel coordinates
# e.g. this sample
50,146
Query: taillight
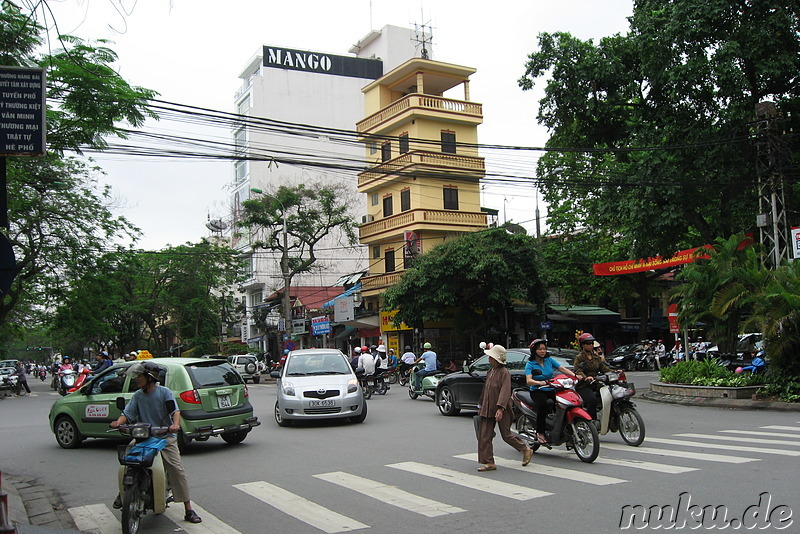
191,396
246,391
622,377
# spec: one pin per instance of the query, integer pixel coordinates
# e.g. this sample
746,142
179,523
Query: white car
318,384
247,366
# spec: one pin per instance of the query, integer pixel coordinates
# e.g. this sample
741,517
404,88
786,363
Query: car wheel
67,433
360,418
279,418
446,403
183,442
256,379
235,437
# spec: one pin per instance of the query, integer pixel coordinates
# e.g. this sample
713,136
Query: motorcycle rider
355,357
407,361
540,391
381,363
367,362
149,405
587,365
430,365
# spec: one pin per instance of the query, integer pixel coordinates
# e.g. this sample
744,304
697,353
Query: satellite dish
216,225
514,228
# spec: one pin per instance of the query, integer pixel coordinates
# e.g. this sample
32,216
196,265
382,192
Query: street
409,469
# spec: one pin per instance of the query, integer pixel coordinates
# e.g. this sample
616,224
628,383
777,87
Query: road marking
723,446
779,427
647,466
210,524
306,511
95,519
765,434
689,455
536,468
753,441
390,494
481,483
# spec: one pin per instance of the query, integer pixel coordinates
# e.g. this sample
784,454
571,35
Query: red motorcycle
83,376
567,423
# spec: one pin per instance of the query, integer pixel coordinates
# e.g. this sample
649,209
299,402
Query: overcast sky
192,51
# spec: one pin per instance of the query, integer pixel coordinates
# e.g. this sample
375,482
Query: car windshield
213,373
317,364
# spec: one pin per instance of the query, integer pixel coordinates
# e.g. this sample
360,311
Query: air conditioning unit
367,219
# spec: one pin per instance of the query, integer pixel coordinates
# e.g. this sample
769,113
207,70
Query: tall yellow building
424,185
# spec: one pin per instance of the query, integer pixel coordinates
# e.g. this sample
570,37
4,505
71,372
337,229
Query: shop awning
356,288
587,313
346,332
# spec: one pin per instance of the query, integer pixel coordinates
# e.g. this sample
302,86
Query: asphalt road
337,477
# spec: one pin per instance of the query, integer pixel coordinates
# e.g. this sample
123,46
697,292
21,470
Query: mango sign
144,355
387,322
650,264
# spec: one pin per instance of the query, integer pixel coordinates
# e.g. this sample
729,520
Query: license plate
224,401
317,403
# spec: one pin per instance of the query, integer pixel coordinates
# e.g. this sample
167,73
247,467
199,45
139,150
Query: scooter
569,425
66,380
42,374
83,376
372,384
142,478
428,384
616,412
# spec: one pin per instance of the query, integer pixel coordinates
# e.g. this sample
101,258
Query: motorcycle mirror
120,403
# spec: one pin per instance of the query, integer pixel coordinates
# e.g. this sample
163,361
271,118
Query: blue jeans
419,376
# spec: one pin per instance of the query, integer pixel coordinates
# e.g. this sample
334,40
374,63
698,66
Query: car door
470,386
98,400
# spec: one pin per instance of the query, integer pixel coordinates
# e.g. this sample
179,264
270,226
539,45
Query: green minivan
210,394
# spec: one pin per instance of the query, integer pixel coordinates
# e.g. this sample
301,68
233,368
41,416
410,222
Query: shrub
689,371
787,388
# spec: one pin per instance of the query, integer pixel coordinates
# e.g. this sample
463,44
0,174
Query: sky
192,51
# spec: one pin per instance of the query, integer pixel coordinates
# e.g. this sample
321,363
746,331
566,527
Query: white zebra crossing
99,519
746,440
755,433
688,455
541,469
726,447
781,427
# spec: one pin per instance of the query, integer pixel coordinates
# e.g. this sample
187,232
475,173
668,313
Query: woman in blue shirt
540,392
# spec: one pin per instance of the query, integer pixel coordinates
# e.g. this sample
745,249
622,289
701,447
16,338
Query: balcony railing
421,216
420,157
380,281
422,102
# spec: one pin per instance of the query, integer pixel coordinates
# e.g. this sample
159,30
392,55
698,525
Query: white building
283,88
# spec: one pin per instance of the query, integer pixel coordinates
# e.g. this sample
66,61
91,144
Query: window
448,142
375,199
405,199
111,382
389,260
450,198
387,206
386,151
256,299
404,143
376,252
373,147
240,169
244,105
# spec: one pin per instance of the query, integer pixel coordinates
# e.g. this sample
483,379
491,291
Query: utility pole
770,157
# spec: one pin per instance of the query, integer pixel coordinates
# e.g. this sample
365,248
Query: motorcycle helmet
426,345
365,349
408,348
357,350
586,337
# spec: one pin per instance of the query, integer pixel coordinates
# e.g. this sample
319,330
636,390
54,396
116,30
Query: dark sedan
462,390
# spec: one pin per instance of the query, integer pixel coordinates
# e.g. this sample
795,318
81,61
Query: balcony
464,220
432,160
422,104
380,282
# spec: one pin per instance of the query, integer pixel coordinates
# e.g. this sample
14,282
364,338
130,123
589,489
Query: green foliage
686,372
786,387
476,276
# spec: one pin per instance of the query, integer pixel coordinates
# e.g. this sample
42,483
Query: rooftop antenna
423,35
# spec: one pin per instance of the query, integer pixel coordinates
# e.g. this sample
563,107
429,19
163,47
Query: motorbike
428,384
373,384
142,478
569,424
42,374
66,380
616,412
83,376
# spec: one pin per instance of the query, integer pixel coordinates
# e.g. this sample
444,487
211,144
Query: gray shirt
151,407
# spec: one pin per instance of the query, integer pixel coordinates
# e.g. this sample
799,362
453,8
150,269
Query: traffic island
720,397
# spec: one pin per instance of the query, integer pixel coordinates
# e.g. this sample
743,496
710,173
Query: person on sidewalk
496,407
22,378
150,405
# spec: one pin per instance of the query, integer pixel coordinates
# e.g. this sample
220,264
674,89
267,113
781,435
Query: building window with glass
376,252
387,206
405,199
389,260
386,151
448,142
403,143
375,199
450,197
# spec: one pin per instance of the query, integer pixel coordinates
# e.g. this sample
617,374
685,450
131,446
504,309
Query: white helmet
381,348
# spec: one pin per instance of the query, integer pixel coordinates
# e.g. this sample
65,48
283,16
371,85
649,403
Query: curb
735,404
36,509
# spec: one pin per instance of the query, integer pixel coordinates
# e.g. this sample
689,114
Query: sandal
192,517
487,467
541,439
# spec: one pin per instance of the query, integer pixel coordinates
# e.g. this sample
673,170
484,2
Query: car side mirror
120,403
275,374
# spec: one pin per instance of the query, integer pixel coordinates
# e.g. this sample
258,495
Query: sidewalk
715,402
35,509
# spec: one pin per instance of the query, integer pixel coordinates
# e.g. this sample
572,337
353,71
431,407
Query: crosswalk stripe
781,427
481,483
748,440
390,494
210,524
689,455
306,511
723,446
95,519
536,468
647,466
764,434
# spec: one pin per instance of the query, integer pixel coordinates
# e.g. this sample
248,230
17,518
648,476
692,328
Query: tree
477,276
311,212
649,131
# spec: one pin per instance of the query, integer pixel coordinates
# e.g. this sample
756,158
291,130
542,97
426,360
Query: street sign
320,325
8,265
290,345
22,123
546,325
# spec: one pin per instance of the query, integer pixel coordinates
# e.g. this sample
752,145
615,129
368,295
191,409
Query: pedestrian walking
495,407
22,379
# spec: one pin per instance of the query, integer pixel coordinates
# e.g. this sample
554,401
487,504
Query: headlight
140,432
352,385
288,389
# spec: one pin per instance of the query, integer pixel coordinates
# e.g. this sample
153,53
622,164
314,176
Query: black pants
25,385
540,398
589,400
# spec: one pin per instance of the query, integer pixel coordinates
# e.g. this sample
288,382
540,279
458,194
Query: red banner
650,264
